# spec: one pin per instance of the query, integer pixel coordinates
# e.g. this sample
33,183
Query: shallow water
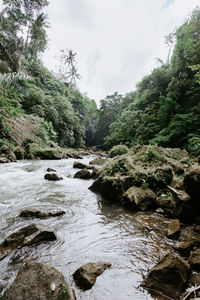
92,230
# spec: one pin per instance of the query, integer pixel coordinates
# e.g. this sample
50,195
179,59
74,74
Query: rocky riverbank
151,178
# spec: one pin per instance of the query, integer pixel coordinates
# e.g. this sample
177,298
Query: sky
116,41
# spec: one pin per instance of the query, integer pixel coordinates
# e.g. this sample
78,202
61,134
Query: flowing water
92,230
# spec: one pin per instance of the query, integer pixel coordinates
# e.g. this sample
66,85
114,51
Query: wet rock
173,228
34,213
185,247
26,236
139,199
79,165
85,276
4,160
37,281
52,177
194,259
98,161
19,153
84,174
50,170
168,276
112,188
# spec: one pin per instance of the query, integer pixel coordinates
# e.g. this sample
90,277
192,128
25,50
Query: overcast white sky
116,41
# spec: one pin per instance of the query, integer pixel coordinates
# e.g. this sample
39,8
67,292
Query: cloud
116,41
92,62
80,13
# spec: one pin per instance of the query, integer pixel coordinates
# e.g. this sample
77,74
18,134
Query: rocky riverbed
118,239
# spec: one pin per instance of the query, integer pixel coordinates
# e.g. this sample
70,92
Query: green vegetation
118,150
27,87
164,109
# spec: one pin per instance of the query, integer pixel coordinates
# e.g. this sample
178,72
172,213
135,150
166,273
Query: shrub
193,146
118,150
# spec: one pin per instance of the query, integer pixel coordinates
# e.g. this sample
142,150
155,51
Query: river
92,230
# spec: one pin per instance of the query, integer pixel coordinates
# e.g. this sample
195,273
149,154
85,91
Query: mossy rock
37,281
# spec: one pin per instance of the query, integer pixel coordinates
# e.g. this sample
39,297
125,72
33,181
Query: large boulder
26,236
85,276
168,276
35,213
33,150
139,199
35,281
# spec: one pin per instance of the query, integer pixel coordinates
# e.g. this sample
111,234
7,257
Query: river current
92,230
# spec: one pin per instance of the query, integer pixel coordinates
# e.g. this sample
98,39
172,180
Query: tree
67,69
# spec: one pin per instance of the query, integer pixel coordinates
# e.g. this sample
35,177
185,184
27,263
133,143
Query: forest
163,110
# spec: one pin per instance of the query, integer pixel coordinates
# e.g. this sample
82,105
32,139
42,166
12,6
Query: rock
79,165
98,161
194,259
159,210
33,150
52,177
185,247
173,228
37,281
26,236
48,154
50,170
139,198
19,153
34,213
168,276
84,174
85,276
166,201
4,160
192,183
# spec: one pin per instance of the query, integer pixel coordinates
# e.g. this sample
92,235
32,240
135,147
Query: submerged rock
168,276
26,236
173,228
34,213
84,174
35,281
52,177
139,198
85,276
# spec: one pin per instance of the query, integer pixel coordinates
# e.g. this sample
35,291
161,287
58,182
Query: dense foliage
165,108
26,84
